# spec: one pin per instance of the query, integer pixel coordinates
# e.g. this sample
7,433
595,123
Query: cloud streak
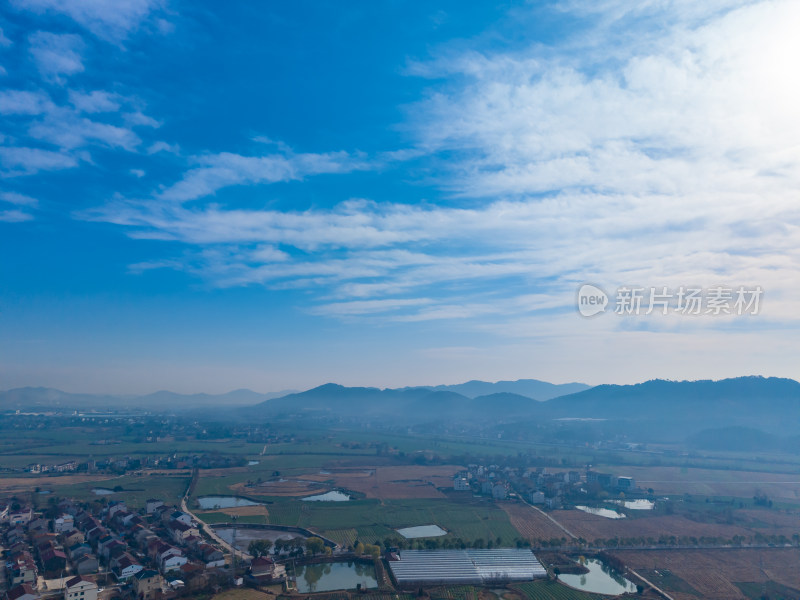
670,161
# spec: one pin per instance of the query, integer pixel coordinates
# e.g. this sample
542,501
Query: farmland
531,523
784,486
593,527
714,574
372,519
551,590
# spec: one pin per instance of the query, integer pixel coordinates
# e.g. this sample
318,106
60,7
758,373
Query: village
158,552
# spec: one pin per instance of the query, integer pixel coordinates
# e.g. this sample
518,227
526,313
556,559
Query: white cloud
111,20
56,54
137,173
163,147
671,160
216,171
688,109
4,41
27,161
97,101
65,129
140,119
20,102
14,216
18,199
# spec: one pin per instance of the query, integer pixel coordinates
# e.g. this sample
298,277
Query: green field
136,489
212,518
552,590
454,592
374,519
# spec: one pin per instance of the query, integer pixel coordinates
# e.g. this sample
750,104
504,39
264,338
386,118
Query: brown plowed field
710,482
530,522
591,527
397,482
713,572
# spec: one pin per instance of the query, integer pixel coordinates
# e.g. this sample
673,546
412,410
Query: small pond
245,535
599,580
210,502
102,491
327,577
601,512
422,531
332,496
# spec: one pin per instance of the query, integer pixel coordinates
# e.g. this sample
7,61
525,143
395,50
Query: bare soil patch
592,527
397,481
713,573
710,482
530,522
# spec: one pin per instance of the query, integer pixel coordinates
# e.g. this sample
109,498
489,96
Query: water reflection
325,577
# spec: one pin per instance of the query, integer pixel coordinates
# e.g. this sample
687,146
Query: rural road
556,523
210,531
655,588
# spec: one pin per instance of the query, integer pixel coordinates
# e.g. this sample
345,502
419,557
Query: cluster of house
123,464
65,467
154,552
537,486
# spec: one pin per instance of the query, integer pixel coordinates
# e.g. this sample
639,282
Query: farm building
431,567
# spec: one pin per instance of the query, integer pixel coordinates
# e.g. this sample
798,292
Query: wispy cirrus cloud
21,160
22,102
587,160
111,20
670,111
96,101
22,206
216,171
57,54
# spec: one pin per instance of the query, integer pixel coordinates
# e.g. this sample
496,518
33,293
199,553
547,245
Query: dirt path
556,523
655,588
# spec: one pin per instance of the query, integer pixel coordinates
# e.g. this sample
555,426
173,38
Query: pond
640,504
327,577
245,535
601,512
332,496
250,463
422,531
599,580
102,491
210,502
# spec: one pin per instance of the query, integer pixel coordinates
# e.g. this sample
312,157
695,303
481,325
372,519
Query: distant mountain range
680,407
28,398
42,399
532,388
653,408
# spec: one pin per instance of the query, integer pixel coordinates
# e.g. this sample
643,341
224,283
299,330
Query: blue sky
391,193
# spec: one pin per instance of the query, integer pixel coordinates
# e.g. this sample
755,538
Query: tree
315,545
259,547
